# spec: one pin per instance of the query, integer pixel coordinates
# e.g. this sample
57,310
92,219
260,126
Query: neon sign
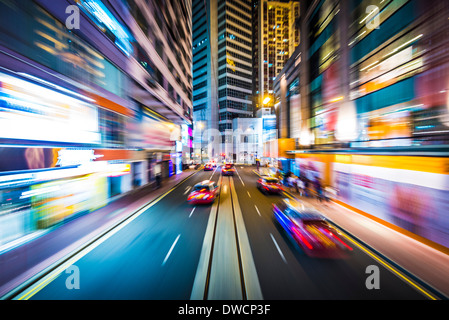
105,19
33,112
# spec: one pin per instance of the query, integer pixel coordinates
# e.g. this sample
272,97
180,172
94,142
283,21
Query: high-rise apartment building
276,34
222,72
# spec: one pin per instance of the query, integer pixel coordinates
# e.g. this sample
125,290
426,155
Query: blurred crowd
305,186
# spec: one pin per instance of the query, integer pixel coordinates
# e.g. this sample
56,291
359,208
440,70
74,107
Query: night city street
222,158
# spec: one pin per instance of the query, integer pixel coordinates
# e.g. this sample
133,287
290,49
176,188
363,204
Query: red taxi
203,193
228,170
268,184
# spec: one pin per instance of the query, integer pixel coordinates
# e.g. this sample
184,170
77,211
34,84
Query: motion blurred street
224,150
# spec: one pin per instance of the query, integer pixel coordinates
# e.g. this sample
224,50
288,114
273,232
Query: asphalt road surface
230,250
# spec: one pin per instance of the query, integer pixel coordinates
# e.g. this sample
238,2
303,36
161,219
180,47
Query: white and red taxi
268,184
204,193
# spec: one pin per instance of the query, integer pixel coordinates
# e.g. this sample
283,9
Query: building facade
93,96
205,104
373,82
375,75
291,118
248,137
276,27
222,73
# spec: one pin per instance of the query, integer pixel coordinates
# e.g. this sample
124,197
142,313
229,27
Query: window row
200,96
234,82
234,46
234,93
234,105
224,61
235,72
200,85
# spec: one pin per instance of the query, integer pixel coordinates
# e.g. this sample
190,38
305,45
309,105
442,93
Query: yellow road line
37,288
34,289
394,227
257,173
388,266
377,258
383,262
285,193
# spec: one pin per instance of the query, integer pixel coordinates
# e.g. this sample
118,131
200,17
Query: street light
266,101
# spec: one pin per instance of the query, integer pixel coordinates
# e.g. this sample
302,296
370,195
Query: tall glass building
205,104
222,71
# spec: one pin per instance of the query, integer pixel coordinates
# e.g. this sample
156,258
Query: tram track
226,269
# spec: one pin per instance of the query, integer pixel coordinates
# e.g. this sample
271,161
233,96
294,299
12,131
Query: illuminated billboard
149,132
269,127
33,112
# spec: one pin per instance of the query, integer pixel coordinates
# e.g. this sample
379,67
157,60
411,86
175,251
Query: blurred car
208,167
310,229
203,193
268,184
228,169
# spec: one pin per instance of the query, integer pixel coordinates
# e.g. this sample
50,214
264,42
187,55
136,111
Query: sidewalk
426,262
23,262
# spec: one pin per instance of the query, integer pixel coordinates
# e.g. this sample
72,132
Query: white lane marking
213,172
248,194
170,251
187,189
257,209
279,249
90,242
239,176
192,212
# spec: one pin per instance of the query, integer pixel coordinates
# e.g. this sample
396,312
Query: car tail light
302,238
330,233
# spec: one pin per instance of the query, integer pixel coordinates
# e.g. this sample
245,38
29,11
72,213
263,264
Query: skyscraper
222,71
205,107
109,83
276,34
